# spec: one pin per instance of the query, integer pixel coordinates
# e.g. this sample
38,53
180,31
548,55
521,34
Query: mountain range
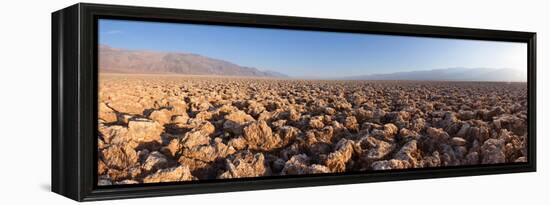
115,60
451,74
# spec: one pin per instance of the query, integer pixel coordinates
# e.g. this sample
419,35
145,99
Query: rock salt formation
180,173
245,164
235,122
259,136
161,129
144,131
154,161
337,160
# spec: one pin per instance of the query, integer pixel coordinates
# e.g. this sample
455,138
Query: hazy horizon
313,54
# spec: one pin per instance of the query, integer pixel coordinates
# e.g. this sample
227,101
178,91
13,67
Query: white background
25,101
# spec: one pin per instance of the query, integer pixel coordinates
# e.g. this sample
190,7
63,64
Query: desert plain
168,128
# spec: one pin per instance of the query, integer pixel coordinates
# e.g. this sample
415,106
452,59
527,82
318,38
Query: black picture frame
74,99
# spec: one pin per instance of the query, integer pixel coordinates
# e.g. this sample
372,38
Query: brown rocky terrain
155,128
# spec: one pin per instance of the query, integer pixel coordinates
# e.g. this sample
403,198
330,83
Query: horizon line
307,77
291,78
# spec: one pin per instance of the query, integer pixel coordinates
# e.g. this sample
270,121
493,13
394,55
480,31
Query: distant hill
452,74
114,60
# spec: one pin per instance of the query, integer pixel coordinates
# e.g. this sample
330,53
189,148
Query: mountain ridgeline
114,60
452,74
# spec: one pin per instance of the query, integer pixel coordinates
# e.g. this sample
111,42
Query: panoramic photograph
187,102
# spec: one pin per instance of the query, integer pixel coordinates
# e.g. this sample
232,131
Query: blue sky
312,53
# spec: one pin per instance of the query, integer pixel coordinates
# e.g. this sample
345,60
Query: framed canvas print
154,102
